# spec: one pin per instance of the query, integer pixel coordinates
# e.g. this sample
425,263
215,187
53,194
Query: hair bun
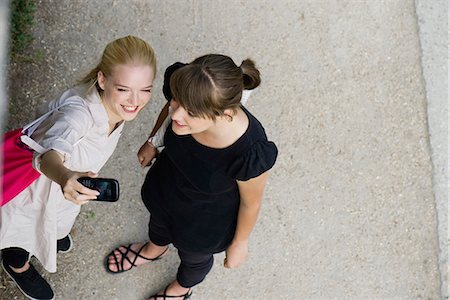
250,74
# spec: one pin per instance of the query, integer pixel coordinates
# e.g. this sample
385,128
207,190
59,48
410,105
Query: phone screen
105,188
108,188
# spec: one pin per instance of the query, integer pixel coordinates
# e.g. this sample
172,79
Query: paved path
349,211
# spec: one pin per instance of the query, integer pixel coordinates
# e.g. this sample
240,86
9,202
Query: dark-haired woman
205,188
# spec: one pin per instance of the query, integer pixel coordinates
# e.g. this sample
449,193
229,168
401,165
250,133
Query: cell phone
107,187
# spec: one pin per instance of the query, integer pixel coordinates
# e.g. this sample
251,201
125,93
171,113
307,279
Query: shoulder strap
32,144
31,127
28,129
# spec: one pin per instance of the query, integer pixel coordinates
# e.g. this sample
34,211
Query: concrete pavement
349,212
434,28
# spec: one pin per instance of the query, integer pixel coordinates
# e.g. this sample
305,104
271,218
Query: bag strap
29,129
32,144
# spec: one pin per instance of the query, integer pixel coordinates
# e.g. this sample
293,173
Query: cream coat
36,218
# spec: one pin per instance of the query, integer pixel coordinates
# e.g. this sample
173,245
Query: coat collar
97,109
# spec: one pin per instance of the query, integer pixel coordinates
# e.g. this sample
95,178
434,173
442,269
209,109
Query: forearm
52,166
237,251
148,150
162,116
251,193
156,138
246,221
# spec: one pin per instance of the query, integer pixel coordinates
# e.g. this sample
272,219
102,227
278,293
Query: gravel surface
349,211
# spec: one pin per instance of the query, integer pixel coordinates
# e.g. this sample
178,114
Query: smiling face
126,91
183,122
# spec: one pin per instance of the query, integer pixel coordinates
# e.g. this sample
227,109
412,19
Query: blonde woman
77,138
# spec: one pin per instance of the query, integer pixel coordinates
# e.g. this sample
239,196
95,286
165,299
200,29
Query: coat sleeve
63,129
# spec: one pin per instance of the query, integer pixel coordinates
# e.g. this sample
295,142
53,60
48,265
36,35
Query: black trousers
15,257
193,267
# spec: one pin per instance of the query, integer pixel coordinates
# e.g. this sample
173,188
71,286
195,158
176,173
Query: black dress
192,188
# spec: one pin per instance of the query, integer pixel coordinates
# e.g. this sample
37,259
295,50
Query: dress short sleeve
260,157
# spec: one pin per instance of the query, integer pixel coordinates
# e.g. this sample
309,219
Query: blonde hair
123,51
213,83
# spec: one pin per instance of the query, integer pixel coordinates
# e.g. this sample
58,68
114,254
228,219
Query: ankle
29,281
151,249
176,288
25,267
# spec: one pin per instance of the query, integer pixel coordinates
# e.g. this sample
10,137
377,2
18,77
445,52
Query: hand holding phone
107,187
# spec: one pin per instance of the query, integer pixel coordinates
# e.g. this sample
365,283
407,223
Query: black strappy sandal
124,256
164,296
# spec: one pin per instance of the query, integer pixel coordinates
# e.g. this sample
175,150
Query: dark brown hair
213,83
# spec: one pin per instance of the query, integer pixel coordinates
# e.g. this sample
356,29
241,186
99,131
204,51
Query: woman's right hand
52,166
73,190
146,154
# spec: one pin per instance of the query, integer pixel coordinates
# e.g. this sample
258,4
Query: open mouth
130,109
178,123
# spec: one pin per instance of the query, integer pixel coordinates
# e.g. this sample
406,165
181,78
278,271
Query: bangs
193,89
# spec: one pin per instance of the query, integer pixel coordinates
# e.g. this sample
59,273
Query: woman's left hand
146,154
236,254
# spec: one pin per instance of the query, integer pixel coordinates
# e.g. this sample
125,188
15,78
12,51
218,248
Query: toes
112,265
113,257
113,260
122,258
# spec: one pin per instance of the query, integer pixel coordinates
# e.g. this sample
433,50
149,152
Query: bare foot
123,259
174,291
